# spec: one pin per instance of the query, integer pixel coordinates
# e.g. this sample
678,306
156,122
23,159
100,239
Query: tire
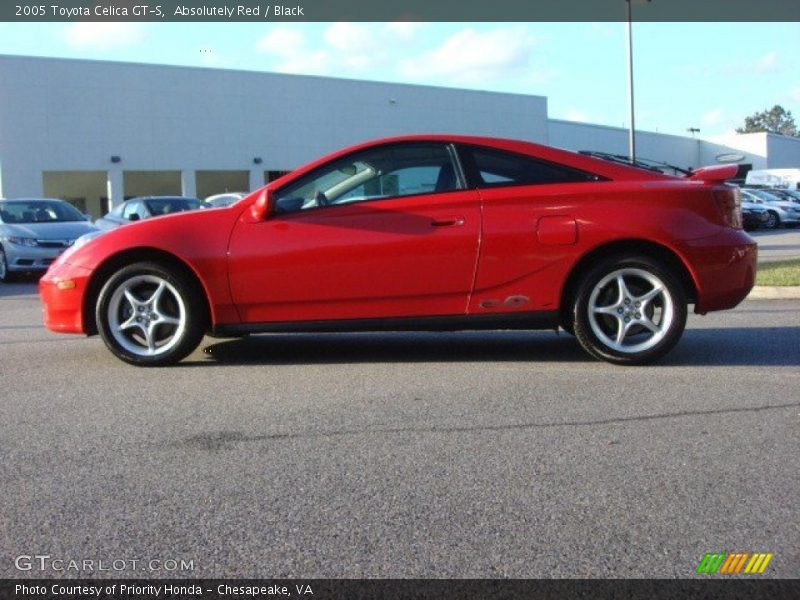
773,220
149,314
6,276
648,309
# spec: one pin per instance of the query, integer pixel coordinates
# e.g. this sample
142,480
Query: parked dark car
145,207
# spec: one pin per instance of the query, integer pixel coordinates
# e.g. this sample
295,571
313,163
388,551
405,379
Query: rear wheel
151,315
629,310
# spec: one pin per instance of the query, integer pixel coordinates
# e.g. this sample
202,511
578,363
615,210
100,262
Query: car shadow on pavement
343,348
27,285
736,346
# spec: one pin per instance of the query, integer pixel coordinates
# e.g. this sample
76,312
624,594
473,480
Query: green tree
775,120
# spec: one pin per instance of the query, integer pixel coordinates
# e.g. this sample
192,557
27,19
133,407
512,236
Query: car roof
31,200
145,198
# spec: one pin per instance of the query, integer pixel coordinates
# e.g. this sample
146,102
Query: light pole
693,130
632,130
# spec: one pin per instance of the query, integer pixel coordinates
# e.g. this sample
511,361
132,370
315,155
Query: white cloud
475,56
767,63
712,117
404,29
282,41
350,37
348,47
290,46
795,94
576,115
103,35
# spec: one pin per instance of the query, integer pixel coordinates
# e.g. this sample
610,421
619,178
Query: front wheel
629,310
151,315
6,276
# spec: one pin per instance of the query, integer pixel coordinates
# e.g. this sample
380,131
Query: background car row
34,231
770,208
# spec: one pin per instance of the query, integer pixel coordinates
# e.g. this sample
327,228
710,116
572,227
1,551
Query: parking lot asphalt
777,244
403,455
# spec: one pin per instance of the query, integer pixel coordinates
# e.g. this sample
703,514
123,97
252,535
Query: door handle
448,222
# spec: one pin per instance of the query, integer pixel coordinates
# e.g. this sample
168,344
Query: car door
530,225
386,232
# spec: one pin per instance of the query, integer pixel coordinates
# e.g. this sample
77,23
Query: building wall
679,151
64,115
67,118
783,152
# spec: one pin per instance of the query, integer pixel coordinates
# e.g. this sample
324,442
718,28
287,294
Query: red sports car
427,232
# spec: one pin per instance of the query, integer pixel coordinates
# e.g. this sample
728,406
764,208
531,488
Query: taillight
729,203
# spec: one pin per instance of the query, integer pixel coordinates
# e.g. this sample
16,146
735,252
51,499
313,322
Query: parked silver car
779,211
34,231
145,207
225,199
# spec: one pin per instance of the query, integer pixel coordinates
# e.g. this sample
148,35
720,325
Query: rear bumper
725,269
63,308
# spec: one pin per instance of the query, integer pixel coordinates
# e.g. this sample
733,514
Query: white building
98,132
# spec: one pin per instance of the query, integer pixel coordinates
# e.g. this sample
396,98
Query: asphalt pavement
401,455
777,244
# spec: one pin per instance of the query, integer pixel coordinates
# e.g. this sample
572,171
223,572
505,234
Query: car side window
134,208
378,173
497,167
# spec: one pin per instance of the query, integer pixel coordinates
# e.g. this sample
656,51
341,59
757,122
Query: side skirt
528,320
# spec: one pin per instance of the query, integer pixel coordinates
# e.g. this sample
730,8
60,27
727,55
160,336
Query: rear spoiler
715,174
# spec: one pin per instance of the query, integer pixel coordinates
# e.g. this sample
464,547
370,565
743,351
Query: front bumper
29,258
63,302
725,269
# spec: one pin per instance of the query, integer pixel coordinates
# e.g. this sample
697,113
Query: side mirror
261,208
133,217
287,205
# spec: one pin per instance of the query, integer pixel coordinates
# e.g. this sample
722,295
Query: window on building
273,175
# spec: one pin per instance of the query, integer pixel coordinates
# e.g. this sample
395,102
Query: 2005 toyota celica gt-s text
424,232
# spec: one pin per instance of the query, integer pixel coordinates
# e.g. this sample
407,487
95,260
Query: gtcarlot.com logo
734,563
46,562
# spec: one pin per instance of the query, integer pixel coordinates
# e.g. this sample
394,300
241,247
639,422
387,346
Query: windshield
39,211
165,206
765,196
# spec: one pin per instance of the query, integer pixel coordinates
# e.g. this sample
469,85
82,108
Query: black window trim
448,146
475,181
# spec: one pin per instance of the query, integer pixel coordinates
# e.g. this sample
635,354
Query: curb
775,292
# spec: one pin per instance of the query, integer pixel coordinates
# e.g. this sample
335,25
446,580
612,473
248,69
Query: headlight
22,241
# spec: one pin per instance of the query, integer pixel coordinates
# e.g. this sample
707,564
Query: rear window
497,167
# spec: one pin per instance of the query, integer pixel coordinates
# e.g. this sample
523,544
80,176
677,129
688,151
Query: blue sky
706,75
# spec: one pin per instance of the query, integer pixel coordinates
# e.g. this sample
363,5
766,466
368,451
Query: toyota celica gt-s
426,232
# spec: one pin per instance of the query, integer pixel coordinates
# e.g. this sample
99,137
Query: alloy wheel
630,310
146,315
